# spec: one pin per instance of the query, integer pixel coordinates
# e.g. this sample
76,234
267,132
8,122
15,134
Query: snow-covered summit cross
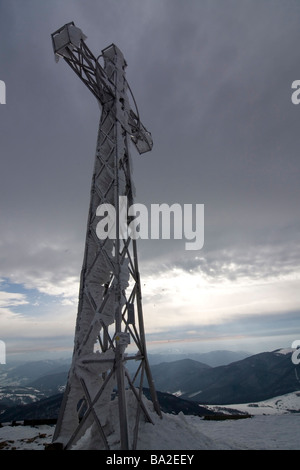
110,313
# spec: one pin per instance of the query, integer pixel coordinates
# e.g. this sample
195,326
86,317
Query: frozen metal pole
119,353
109,314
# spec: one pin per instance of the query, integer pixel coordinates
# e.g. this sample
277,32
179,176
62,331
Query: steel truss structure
110,312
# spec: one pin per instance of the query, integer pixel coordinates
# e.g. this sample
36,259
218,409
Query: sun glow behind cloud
178,298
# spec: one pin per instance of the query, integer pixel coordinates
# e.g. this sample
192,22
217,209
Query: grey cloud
244,327
212,83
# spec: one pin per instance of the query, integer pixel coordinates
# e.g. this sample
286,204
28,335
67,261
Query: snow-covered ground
273,425
25,437
274,406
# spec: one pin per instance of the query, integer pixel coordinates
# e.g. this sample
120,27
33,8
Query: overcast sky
212,80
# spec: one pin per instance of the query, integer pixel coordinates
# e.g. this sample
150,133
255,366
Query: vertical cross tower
110,304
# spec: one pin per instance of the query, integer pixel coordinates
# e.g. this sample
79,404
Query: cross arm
69,43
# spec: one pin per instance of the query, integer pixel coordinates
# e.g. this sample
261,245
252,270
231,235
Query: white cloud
66,288
8,299
58,322
37,320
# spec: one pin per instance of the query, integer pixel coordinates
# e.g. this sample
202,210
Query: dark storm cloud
226,129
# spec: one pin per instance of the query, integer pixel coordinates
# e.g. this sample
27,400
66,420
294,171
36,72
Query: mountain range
255,378
34,390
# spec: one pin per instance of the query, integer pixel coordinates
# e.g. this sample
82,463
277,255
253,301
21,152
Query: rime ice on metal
110,313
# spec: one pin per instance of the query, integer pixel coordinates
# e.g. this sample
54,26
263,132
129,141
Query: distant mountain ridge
212,358
170,377
255,378
23,374
48,408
